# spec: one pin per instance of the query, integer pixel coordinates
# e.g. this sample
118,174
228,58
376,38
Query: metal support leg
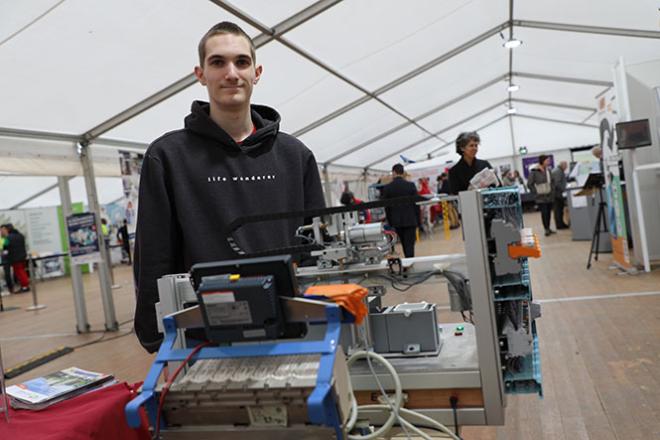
33,287
82,324
104,275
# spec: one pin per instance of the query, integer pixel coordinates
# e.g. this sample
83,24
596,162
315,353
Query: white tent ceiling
359,81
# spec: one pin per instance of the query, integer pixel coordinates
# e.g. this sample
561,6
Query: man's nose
232,71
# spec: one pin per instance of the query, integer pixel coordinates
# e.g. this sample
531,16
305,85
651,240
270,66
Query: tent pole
327,186
85,154
82,324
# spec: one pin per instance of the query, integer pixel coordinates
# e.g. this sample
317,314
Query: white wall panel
350,129
542,136
88,60
376,41
385,146
578,55
452,78
637,14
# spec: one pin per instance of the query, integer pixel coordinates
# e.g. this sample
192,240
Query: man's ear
199,73
257,73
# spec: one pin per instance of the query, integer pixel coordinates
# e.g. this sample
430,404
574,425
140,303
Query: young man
405,218
228,162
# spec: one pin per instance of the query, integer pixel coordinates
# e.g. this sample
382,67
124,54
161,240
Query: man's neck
468,160
237,123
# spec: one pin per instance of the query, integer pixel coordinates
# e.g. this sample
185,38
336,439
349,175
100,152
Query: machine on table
303,387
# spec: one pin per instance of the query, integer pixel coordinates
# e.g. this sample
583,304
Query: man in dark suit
405,218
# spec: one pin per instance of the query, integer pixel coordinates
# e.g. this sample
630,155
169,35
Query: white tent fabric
359,81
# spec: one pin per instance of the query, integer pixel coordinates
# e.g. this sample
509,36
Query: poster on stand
130,164
83,238
607,118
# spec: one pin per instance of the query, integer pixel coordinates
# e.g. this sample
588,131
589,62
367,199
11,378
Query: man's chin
227,103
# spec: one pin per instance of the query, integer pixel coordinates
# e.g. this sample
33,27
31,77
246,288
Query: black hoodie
196,181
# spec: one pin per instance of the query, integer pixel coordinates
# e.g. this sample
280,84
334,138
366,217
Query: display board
83,238
607,119
131,164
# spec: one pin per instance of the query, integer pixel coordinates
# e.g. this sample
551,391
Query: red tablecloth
95,415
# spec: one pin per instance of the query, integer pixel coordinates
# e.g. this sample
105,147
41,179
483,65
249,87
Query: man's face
229,72
471,149
4,232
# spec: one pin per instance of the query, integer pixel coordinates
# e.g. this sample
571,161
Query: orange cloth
348,296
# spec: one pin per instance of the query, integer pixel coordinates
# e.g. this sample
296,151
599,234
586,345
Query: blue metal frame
321,406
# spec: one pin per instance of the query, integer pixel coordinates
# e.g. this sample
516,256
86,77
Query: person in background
507,179
124,240
517,179
597,165
6,266
559,186
403,218
443,183
348,199
16,254
540,184
424,186
105,230
467,146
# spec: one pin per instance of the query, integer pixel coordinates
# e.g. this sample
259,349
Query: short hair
224,27
398,169
542,158
346,198
464,138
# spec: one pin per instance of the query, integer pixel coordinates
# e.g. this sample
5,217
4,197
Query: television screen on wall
633,134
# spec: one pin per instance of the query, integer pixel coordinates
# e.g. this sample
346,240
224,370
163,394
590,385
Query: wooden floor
600,356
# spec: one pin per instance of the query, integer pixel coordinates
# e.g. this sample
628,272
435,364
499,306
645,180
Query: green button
460,328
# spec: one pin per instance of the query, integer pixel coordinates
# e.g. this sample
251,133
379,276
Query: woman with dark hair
540,184
467,145
348,199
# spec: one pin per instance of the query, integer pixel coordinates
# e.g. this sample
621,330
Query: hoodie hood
265,119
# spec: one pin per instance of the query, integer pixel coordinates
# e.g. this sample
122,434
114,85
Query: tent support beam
513,142
588,82
589,116
601,30
408,76
418,118
82,324
190,79
85,154
309,57
554,104
494,121
38,194
65,137
558,121
456,124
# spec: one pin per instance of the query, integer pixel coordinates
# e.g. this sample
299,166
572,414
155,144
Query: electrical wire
102,339
393,405
168,384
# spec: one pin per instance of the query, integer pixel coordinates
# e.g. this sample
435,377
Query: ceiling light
512,43
511,110
513,88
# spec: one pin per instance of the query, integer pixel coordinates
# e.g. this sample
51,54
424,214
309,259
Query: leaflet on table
60,383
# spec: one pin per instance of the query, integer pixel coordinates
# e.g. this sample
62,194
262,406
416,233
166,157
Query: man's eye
243,63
